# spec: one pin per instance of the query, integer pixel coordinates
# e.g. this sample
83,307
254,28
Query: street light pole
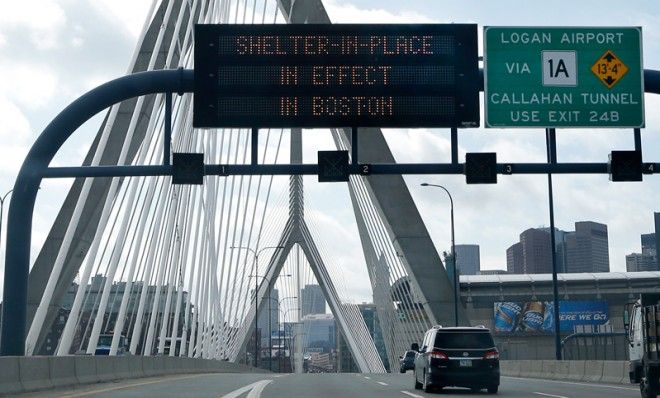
270,315
453,250
286,312
256,294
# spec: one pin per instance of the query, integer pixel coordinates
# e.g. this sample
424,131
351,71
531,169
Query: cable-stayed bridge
188,257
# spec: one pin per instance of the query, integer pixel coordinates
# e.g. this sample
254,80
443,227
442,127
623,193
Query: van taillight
492,355
439,355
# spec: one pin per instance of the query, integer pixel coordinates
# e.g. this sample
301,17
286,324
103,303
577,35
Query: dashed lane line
381,383
549,395
367,377
408,393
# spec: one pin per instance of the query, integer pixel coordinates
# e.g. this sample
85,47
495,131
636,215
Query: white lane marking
574,383
411,394
255,389
381,383
367,377
549,395
256,392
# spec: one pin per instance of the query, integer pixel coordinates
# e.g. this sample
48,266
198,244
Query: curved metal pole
21,207
2,204
453,250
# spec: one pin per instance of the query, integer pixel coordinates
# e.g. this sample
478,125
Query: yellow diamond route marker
609,69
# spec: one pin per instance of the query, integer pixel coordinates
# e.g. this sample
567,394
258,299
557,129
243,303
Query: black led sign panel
336,76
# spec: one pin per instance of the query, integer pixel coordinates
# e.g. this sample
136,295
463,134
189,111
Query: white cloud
30,84
344,12
43,18
15,126
15,134
130,14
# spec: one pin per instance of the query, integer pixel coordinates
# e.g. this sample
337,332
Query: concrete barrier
593,371
615,372
34,373
121,367
533,369
62,371
26,374
149,366
135,366
105,371
575,370
85,368
10,375
556,370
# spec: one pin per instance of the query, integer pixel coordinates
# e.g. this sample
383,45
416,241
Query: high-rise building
587,248
582,250
312,300
370,316
515,264
560,248
467,259
648,245
537,255
647,260
636,262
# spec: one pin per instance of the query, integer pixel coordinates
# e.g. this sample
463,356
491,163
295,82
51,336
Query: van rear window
464,340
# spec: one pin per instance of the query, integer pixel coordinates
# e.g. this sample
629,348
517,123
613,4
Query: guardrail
615,372
26,374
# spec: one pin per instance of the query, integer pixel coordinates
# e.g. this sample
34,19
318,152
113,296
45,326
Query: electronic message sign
563,77
336,76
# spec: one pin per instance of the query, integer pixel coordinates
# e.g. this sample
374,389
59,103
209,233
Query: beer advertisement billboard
538,316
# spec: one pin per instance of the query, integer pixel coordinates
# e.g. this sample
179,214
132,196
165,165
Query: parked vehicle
457,357
407,361
641,319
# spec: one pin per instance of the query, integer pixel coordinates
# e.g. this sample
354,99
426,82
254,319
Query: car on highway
407,361
457,357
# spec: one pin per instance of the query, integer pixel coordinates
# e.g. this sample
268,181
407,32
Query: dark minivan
407,361
457,357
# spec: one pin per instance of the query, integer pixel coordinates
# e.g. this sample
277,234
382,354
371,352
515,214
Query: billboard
538,316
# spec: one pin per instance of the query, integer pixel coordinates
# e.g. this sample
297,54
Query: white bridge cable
376,231
105,214
354,318
40,314
72,321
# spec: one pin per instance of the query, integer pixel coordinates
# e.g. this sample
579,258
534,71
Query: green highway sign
563,77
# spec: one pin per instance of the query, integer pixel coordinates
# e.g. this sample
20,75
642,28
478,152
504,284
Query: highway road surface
327,385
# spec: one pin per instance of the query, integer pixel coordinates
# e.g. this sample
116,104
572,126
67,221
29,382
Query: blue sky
51,52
